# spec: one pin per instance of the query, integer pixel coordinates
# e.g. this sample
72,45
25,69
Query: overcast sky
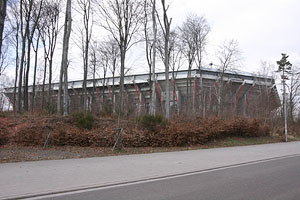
263,28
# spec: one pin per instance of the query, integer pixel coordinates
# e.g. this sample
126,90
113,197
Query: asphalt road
268,180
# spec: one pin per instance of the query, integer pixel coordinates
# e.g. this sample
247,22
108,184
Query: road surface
268,180
39,178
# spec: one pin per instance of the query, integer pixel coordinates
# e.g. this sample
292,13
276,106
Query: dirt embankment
31,131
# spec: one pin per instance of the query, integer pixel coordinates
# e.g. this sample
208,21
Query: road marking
147,180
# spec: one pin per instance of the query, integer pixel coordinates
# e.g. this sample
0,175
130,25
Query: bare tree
51,12
26,7
193,33
266,101
201,30
166,29
147,37
3,4
229,56
14,23
104,55
150,48
113,52
4,82
33,23
188,36
48,30
176,59
175,52
266,69
122,19
35,49
85,9
94,65
293,87
64,63
4,57
154,27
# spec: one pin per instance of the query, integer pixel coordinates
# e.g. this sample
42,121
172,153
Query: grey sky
264,28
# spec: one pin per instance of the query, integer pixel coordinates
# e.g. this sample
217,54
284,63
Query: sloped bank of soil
31,131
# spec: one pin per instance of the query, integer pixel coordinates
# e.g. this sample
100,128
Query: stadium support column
194,94
212,95
249,96
239,92
139,95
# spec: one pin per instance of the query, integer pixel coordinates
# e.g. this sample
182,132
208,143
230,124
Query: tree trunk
3,4
34,73
17,67
113,88
121,106
86,65
167,80
50,79
59,98
167,25
44,80
94,78
64,64
153,100
26,78
24,38
19,103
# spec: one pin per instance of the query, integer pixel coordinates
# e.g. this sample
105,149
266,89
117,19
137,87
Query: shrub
3,137
107,111
51,108
31,135
152,122
84,120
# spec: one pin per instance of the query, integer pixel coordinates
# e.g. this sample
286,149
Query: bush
51,108
3,137
152,122
107,111
152,131
31,135
84,120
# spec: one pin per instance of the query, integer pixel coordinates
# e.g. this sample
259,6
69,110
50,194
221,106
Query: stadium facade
205,92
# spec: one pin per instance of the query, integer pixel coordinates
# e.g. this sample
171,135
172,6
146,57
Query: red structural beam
109,92
241,89
158,89
247,102
98,95
213,94
75,93
228,83
89,101
137,93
